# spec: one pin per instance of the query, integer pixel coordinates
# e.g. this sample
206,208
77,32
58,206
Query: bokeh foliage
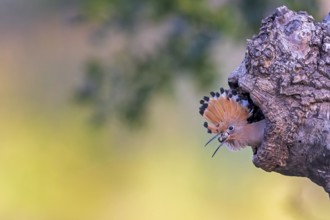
124,87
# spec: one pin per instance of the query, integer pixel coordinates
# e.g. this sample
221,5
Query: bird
228,116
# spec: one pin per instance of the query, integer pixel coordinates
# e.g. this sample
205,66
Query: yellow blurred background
55,165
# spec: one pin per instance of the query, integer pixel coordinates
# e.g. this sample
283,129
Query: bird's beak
216,150
215,136
222,139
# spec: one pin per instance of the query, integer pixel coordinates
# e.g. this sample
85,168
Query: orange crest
224,109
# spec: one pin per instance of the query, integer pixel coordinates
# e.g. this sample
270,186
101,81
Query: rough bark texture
286,71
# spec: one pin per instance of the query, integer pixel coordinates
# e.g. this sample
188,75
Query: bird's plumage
227,114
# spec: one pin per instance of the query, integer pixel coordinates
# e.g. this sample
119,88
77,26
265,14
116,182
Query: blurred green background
99,113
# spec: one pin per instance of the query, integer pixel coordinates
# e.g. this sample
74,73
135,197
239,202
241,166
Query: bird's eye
231,128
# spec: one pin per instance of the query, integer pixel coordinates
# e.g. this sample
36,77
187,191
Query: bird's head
228,116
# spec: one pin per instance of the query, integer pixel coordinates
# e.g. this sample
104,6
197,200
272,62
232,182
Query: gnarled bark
286,72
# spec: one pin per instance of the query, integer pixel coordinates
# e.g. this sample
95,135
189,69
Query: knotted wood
286,72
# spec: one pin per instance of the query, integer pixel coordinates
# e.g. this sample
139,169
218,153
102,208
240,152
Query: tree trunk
286,72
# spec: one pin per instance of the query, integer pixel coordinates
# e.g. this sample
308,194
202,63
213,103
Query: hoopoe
229,118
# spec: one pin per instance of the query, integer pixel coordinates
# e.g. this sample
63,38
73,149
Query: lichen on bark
286,72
